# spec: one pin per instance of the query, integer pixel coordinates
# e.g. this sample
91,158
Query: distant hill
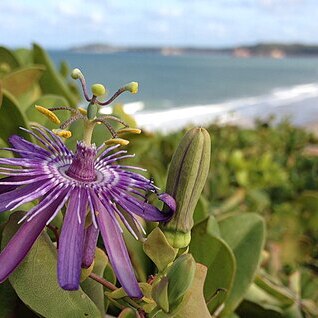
275,50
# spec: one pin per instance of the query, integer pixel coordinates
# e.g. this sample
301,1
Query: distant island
274,50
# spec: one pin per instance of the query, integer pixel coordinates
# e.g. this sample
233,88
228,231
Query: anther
49,114
117,141
129,131
62,133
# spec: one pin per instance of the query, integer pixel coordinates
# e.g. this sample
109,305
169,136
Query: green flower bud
132,87
169,290
98,89
180,276
76,73
187,174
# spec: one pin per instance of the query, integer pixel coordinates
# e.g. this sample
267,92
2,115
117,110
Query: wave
280,101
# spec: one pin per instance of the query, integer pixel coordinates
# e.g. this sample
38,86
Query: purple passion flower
89,180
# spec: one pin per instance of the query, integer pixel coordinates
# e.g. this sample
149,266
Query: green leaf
266,301
93,289
245,234
158,249
7,300
35,280
24,56
193,303
213,252
1,94
4,153
280,292
11,118
128,313
52,82
201,211
7,57
22,79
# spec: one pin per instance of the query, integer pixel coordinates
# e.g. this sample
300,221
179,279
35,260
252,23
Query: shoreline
298,103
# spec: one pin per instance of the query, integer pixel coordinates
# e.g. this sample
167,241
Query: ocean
178,90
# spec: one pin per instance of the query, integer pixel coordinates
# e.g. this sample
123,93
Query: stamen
71,120
113,118
72,110
129,130
119,141
108,126
62,133
50,115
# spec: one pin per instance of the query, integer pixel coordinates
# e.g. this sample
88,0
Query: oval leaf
11,118
214,253
22,80
8,57
245,234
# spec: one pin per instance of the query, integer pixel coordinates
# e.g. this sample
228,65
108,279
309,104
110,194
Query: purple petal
6,187
8,199
71,241
141,208
24,145
22,241
90,241
23,162
168,200
116,250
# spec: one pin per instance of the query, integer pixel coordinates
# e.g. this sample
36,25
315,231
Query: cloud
60,23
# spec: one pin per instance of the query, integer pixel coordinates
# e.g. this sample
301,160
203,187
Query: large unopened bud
187,174
170,289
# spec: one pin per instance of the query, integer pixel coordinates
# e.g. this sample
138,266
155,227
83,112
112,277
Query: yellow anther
50,115
117,141
82,111
62,133
129,131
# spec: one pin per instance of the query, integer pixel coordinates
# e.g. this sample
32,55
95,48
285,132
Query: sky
59,24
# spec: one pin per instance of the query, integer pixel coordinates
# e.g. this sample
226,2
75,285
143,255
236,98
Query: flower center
82,166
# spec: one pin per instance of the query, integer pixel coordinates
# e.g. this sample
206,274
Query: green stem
112,287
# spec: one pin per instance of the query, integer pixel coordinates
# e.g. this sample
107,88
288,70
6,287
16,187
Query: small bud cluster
90,116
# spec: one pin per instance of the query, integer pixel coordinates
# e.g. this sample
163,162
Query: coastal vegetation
261,49
259,178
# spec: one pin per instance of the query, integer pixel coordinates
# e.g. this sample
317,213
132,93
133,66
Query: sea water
179,90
